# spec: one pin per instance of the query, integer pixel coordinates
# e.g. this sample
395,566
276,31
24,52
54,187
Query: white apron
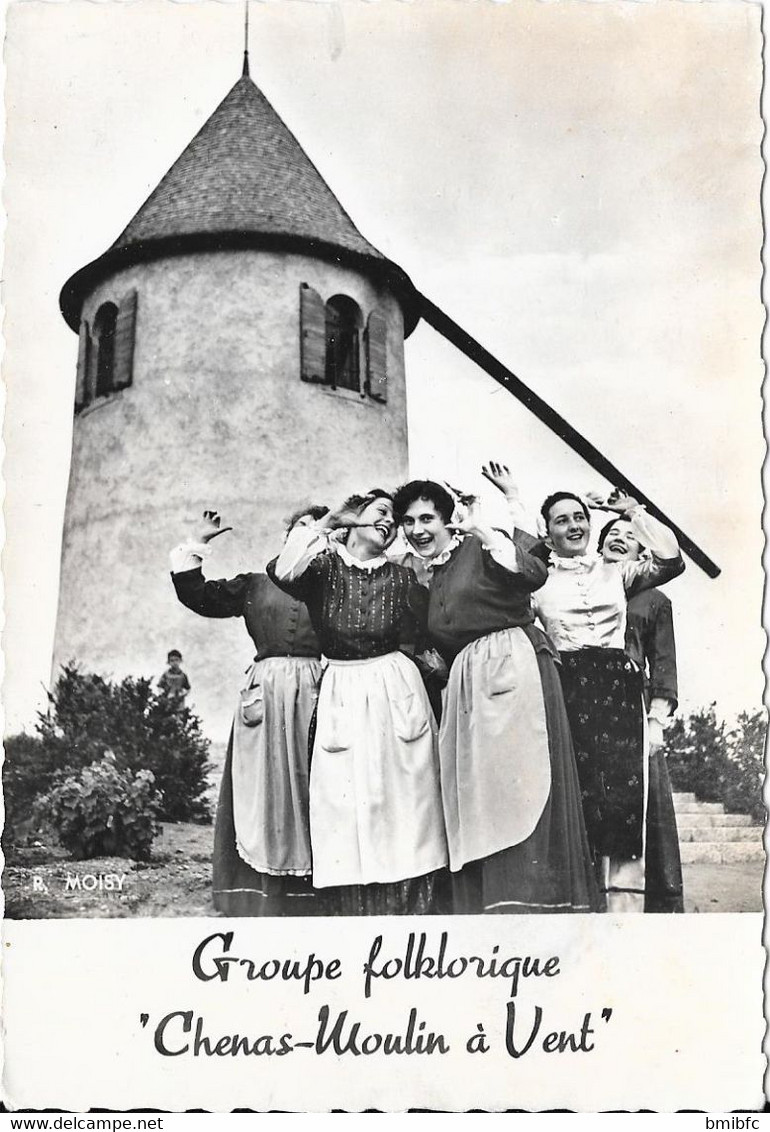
495,760
270,764
375,806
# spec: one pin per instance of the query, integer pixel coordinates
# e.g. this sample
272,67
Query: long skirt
603,695
262,862
506,755
663,891
376,825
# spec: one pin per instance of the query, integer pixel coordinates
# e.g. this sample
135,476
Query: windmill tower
241,346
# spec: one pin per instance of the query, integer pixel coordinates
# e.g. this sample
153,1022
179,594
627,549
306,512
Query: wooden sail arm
472,349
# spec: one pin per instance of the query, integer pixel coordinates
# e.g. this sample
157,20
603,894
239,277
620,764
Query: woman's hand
340,519
468,519
460,497
616,501
596,500
466,516
430,663
501,477
655,734
211,527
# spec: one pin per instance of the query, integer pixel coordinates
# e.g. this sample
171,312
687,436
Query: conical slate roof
243,181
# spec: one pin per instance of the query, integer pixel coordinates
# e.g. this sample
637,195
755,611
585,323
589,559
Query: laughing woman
376,823
517,841
583,608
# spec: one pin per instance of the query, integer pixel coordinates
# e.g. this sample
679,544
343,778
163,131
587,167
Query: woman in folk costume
262,863
376,825
650,643
583,609
510,793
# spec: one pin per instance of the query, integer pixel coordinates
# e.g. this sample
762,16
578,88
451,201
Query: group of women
356,785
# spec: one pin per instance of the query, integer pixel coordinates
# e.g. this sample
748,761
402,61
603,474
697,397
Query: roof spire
245,72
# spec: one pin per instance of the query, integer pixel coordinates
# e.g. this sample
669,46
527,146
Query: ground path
177,882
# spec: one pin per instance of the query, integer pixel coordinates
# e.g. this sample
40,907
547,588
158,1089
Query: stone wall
217,416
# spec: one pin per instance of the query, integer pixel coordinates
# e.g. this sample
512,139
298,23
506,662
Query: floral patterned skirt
603,696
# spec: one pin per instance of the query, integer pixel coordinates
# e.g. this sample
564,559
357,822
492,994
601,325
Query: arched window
106,351
104,341
337,350
343,326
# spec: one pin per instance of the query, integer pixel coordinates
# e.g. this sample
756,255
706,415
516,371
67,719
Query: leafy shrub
146,729
719,764
28,769
743,787
103,811
88,715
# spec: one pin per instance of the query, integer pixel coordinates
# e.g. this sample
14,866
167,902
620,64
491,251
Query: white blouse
583,602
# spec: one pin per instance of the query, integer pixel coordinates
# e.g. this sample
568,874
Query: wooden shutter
376,357
312,335
92,361
125,336
333,331
81,381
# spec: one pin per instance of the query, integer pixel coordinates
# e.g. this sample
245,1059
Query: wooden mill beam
472,349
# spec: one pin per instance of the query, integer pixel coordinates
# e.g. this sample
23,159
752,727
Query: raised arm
517,555
305,557
503,479
666,561
307,540
222,598
300,562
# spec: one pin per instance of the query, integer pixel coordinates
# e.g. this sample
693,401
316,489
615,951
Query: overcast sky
577,184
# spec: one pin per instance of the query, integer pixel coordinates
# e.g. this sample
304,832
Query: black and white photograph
383,554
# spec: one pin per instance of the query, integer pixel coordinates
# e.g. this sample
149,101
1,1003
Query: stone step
692,821
683,797
721,833
721,854
699,807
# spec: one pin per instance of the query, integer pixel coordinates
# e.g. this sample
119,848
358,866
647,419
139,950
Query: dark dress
269,736
480,619
650,643
375,815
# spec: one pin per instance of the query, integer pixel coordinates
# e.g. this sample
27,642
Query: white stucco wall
217,416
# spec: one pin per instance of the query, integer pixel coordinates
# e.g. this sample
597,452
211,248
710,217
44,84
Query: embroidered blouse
359,609
583,602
